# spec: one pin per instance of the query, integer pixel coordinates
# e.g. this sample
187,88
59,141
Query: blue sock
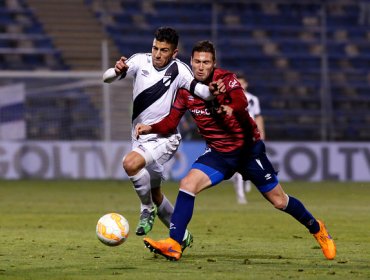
301,214
182,215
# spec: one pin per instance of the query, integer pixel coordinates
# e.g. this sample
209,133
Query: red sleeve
171,121
234,95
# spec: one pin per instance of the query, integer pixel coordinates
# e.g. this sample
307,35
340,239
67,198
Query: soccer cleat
187,242
326,242
146,221
168,248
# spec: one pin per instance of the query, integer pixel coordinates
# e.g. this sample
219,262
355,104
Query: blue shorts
251,163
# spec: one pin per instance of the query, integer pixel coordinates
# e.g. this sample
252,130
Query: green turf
47,231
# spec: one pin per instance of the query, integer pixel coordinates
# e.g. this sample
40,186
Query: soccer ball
112,229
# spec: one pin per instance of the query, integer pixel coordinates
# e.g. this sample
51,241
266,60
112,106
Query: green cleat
187,242
146,221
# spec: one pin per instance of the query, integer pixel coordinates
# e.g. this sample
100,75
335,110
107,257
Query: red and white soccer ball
112,229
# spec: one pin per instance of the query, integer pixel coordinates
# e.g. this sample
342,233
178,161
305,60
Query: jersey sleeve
171,121
234,95
134,63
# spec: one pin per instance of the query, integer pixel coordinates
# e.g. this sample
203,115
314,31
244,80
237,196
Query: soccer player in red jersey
234,145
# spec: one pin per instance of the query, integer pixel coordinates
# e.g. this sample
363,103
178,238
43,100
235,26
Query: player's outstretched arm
208,92
119,69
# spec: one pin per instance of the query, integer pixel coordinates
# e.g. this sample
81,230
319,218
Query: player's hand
217,87
142,129
226,110
121,66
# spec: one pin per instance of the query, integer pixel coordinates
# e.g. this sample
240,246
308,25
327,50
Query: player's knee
188,185
279,202
131,166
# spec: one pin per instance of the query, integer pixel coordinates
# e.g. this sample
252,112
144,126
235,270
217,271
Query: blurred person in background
254,110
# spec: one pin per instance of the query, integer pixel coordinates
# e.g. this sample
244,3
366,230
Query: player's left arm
259,118
261,126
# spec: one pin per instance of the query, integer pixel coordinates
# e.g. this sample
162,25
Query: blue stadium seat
279,51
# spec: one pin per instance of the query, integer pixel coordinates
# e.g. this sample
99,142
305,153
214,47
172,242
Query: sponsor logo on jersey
268,176
198,112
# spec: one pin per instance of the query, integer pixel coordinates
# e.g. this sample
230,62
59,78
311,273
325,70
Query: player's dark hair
168,35
204,46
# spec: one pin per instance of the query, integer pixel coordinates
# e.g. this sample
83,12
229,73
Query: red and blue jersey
221,132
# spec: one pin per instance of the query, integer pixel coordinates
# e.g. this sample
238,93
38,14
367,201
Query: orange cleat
169,248
326,242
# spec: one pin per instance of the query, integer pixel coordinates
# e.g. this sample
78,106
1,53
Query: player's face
202,64
162,53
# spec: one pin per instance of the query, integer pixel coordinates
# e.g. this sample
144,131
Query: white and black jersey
154,90
253,108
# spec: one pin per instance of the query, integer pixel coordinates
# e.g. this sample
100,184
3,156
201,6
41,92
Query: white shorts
157,151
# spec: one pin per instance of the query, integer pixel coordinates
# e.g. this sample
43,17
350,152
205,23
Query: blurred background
307,61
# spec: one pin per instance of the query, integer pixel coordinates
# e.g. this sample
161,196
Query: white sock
248,186
185,235
141,183
239,187
165,211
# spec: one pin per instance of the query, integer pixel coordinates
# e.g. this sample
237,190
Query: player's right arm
120,68
124,67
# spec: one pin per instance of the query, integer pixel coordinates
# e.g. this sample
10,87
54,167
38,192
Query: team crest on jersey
233,83
166,80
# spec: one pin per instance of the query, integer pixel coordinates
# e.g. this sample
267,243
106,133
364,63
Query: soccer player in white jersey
156,78
254,110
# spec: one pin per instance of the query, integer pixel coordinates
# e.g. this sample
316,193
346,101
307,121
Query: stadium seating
299,70
24,45
65,115
279,47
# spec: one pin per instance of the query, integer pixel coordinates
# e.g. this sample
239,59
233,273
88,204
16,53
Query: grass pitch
47,231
